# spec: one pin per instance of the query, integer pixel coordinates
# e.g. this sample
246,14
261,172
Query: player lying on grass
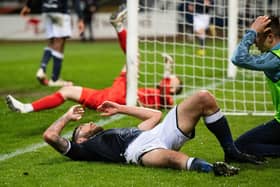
149,97
153,143
263,140
91,98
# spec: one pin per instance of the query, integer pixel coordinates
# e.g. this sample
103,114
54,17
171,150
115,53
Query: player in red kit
92,98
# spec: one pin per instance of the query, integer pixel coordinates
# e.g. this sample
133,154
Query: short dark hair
75,134
274,25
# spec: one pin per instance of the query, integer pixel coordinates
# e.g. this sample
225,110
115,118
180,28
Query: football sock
218,125
48,102
122,39
199,165
45,59
57,64
27,108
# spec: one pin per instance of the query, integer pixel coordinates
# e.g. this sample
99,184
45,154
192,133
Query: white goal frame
150,33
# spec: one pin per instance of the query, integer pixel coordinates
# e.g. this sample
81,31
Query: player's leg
263,140
51,101
203,104
201,37
172,159
57,54
201,23
59,30
122,39
117,20
47,55
169,159
56,99
41,73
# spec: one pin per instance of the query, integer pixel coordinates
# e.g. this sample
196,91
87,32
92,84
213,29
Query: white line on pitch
207,87
101,122
36,146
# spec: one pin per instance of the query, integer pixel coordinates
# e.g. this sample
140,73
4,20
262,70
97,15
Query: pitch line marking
207,87
34,147
101,122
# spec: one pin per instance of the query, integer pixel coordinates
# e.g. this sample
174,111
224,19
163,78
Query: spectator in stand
89,8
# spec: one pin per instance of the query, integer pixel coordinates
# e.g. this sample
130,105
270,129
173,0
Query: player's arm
242,57
52,134
150,117
26,9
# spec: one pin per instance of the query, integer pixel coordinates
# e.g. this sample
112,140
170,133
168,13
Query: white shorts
201,21
165,135
57,25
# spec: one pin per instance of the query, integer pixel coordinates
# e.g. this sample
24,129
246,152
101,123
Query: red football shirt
147,97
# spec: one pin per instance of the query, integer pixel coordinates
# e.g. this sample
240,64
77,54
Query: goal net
166,26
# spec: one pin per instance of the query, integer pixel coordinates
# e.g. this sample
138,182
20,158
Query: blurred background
14,6
14,27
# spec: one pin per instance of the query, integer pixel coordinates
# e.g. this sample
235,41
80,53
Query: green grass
236,96
95,65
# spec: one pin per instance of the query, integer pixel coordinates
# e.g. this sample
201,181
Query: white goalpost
165,26
232,35
132,52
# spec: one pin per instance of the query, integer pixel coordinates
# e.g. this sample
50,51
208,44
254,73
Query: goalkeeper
91,98
263,140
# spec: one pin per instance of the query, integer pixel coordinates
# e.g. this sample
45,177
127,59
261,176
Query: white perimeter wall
14,27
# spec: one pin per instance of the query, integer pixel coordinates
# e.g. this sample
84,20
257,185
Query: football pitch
26,161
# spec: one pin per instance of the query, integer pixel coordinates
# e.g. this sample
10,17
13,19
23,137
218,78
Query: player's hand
25,10
108,108
259,25
168,63
75,113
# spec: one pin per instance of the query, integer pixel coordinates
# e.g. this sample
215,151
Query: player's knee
204,95
66,91
206,99
58,44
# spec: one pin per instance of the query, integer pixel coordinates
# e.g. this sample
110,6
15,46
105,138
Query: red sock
47,102
122,39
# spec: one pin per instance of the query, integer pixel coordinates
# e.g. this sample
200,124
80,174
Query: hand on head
260,24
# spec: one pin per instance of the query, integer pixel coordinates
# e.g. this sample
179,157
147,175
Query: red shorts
92,98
